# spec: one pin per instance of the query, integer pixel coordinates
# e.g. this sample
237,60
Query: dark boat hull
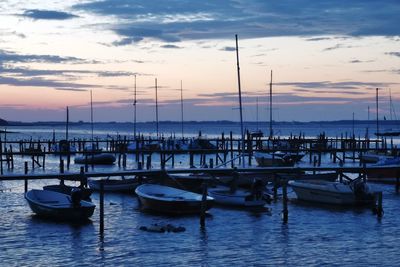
173,207
99,159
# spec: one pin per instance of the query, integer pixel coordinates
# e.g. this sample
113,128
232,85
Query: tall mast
91,113
377,111
257,113
134,111
182,109
66,125
390,103
271,133
156,108
240,96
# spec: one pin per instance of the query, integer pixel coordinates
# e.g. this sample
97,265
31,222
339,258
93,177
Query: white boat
100,159
59,206
170,200
114,185
384,175
350,193
270,160
239,197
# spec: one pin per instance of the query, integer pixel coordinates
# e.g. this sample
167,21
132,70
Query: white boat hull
239,198
328,193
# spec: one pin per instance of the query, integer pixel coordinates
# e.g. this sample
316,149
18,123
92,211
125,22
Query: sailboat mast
91,113
156,107
271,133
240,96
181,109
377,111
67,125
390,103
134,111
257,113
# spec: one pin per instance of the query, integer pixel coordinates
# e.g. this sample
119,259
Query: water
314,236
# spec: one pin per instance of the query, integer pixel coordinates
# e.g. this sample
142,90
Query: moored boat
270,160
241,198
100,159
349,193
59,206
114,185
171,200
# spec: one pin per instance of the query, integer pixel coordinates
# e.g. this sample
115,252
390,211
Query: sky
327,59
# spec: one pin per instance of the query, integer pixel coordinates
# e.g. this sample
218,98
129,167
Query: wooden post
211,165
398,182
101,208
124,160
203,206
26,172
285,211
148,163
191,160
379,209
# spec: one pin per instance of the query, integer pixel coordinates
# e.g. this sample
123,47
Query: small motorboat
270,160
170,200
99,159
384,175
59,206
241,198
114,185
339,193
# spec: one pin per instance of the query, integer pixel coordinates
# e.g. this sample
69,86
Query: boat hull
58,206
99,159
239,198
164,199
328,193
112,185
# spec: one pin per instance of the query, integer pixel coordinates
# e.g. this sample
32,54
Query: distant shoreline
224,122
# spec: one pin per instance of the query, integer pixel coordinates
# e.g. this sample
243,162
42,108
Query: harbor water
315,235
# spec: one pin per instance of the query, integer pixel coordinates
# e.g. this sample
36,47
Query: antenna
240,96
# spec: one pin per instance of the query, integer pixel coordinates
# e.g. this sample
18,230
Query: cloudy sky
327,58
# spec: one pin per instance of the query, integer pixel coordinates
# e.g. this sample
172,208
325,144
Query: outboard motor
76,197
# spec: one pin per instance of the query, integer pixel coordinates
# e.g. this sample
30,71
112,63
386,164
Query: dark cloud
228,48
178,20
395,54
171,46
47,14
334,85
318,39
40,82
8,56
356,61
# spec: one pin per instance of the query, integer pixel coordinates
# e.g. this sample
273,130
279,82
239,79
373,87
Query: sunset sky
327,58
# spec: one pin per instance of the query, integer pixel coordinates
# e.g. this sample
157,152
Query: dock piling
101,208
